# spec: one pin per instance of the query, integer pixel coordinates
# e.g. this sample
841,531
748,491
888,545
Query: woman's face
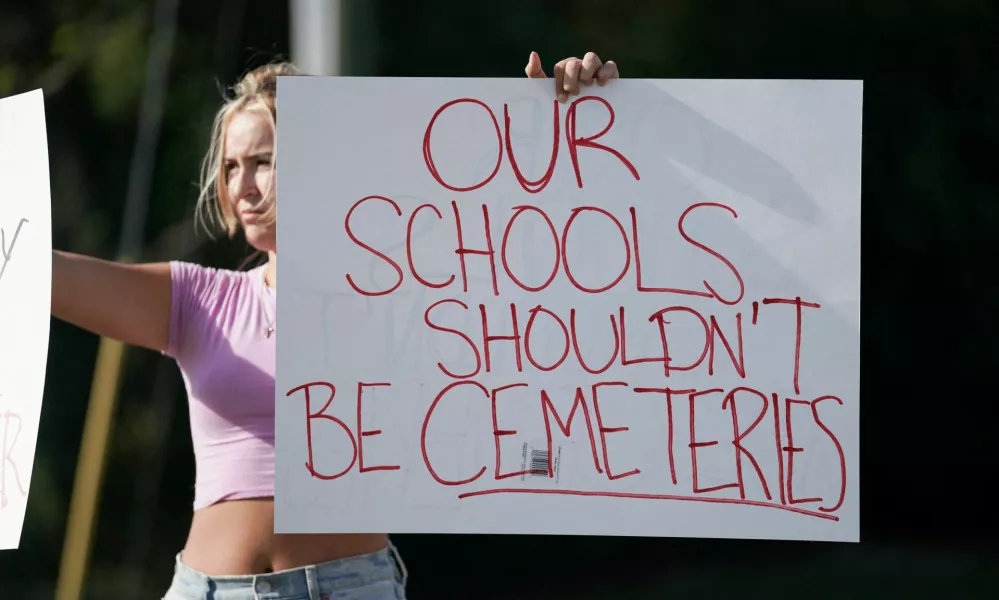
248,169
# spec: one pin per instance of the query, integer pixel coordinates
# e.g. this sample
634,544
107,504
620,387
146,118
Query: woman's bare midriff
237,538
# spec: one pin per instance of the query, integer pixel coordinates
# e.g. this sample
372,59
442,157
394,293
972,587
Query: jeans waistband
306,581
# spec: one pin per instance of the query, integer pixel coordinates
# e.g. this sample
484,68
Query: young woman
219,327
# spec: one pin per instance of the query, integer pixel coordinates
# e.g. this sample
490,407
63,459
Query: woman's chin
260,238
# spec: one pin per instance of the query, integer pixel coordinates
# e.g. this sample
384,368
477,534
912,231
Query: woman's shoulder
189,276
196,269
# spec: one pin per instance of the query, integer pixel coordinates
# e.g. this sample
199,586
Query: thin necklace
269,330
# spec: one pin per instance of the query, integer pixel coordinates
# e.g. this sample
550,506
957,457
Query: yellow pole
90,470
91,463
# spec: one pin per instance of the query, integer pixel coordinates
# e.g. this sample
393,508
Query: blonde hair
257,90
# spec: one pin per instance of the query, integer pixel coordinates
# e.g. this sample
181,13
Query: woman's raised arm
127,302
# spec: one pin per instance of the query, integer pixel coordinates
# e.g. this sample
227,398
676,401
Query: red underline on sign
800,511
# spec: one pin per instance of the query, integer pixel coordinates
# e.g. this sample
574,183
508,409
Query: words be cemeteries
25,299
635,313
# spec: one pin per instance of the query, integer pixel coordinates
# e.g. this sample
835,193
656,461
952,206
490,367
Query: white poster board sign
637,313
25,298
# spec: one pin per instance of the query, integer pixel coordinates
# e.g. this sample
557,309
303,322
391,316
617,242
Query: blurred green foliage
929,306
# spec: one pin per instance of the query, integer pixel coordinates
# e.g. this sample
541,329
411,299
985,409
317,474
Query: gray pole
316,36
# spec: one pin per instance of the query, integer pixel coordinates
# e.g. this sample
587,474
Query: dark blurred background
930,212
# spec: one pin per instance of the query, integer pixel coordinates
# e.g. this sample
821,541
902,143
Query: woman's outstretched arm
127,302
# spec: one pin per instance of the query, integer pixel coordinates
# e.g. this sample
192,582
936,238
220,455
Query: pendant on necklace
268,331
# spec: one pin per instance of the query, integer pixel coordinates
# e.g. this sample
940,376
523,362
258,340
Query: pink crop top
218,336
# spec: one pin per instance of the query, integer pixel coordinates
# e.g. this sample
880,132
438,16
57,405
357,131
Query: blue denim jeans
377,576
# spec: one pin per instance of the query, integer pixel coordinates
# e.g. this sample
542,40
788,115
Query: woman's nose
245,184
